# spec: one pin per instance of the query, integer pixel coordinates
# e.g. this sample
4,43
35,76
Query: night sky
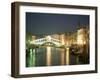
45,23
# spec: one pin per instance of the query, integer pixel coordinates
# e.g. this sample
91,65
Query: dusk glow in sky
45,23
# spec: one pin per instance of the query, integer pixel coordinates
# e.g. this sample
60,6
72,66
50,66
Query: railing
44,40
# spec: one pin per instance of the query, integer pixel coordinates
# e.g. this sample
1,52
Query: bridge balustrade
44,40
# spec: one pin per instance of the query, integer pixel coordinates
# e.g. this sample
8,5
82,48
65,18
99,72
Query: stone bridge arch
49,44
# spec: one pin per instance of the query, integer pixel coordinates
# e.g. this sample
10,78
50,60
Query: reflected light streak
67,56
48,56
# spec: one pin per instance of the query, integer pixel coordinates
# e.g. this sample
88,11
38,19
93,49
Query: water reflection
51,56
46,56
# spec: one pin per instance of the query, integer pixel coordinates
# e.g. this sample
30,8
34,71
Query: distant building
33,37
82,36
63,39
55,36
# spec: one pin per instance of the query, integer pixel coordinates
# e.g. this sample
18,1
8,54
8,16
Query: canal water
49,56
45,57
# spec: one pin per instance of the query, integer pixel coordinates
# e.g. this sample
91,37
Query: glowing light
67,56
80,42
48,56
48,38
84,42
62,57
63,39
80,39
